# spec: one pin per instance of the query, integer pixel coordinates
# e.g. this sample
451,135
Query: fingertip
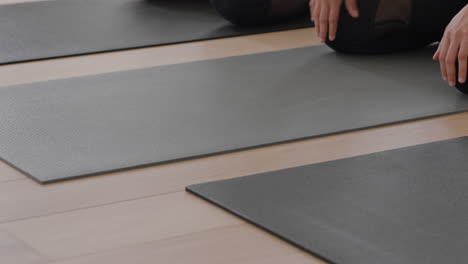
331,35
461,79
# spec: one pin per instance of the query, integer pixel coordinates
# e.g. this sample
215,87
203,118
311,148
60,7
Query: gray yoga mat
58,28
405,206
70,128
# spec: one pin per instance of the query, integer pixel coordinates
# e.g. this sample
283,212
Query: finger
311,9
324,12
451,59
463,61
352,7
436,54
333,21
443,52
316,17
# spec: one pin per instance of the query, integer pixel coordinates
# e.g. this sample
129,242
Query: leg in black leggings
258,12
394,25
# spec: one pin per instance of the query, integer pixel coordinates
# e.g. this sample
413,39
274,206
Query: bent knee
383,26
355,35
244,12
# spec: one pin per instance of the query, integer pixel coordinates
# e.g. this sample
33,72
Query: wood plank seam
91,207
149,242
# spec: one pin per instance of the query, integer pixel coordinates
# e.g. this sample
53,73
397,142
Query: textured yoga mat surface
78,127
405,206
57,28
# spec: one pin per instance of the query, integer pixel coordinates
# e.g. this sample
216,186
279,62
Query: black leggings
394,25
383,25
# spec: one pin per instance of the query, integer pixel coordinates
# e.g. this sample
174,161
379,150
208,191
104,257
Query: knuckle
449,61
448,34
453,34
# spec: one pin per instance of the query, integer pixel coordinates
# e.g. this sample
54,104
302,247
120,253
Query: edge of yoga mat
285,28
192,190
72,177
250,221
30,175
289,24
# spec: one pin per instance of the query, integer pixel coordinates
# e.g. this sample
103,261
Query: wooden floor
144,216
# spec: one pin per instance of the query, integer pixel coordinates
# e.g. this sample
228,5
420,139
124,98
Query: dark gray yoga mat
405,206
58,28
79,127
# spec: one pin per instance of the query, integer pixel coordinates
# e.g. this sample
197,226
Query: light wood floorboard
114,226
237,244
14,251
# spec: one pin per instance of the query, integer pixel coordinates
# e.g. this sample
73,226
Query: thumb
351,5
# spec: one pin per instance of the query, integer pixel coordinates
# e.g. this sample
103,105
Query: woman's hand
325,14
453,48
